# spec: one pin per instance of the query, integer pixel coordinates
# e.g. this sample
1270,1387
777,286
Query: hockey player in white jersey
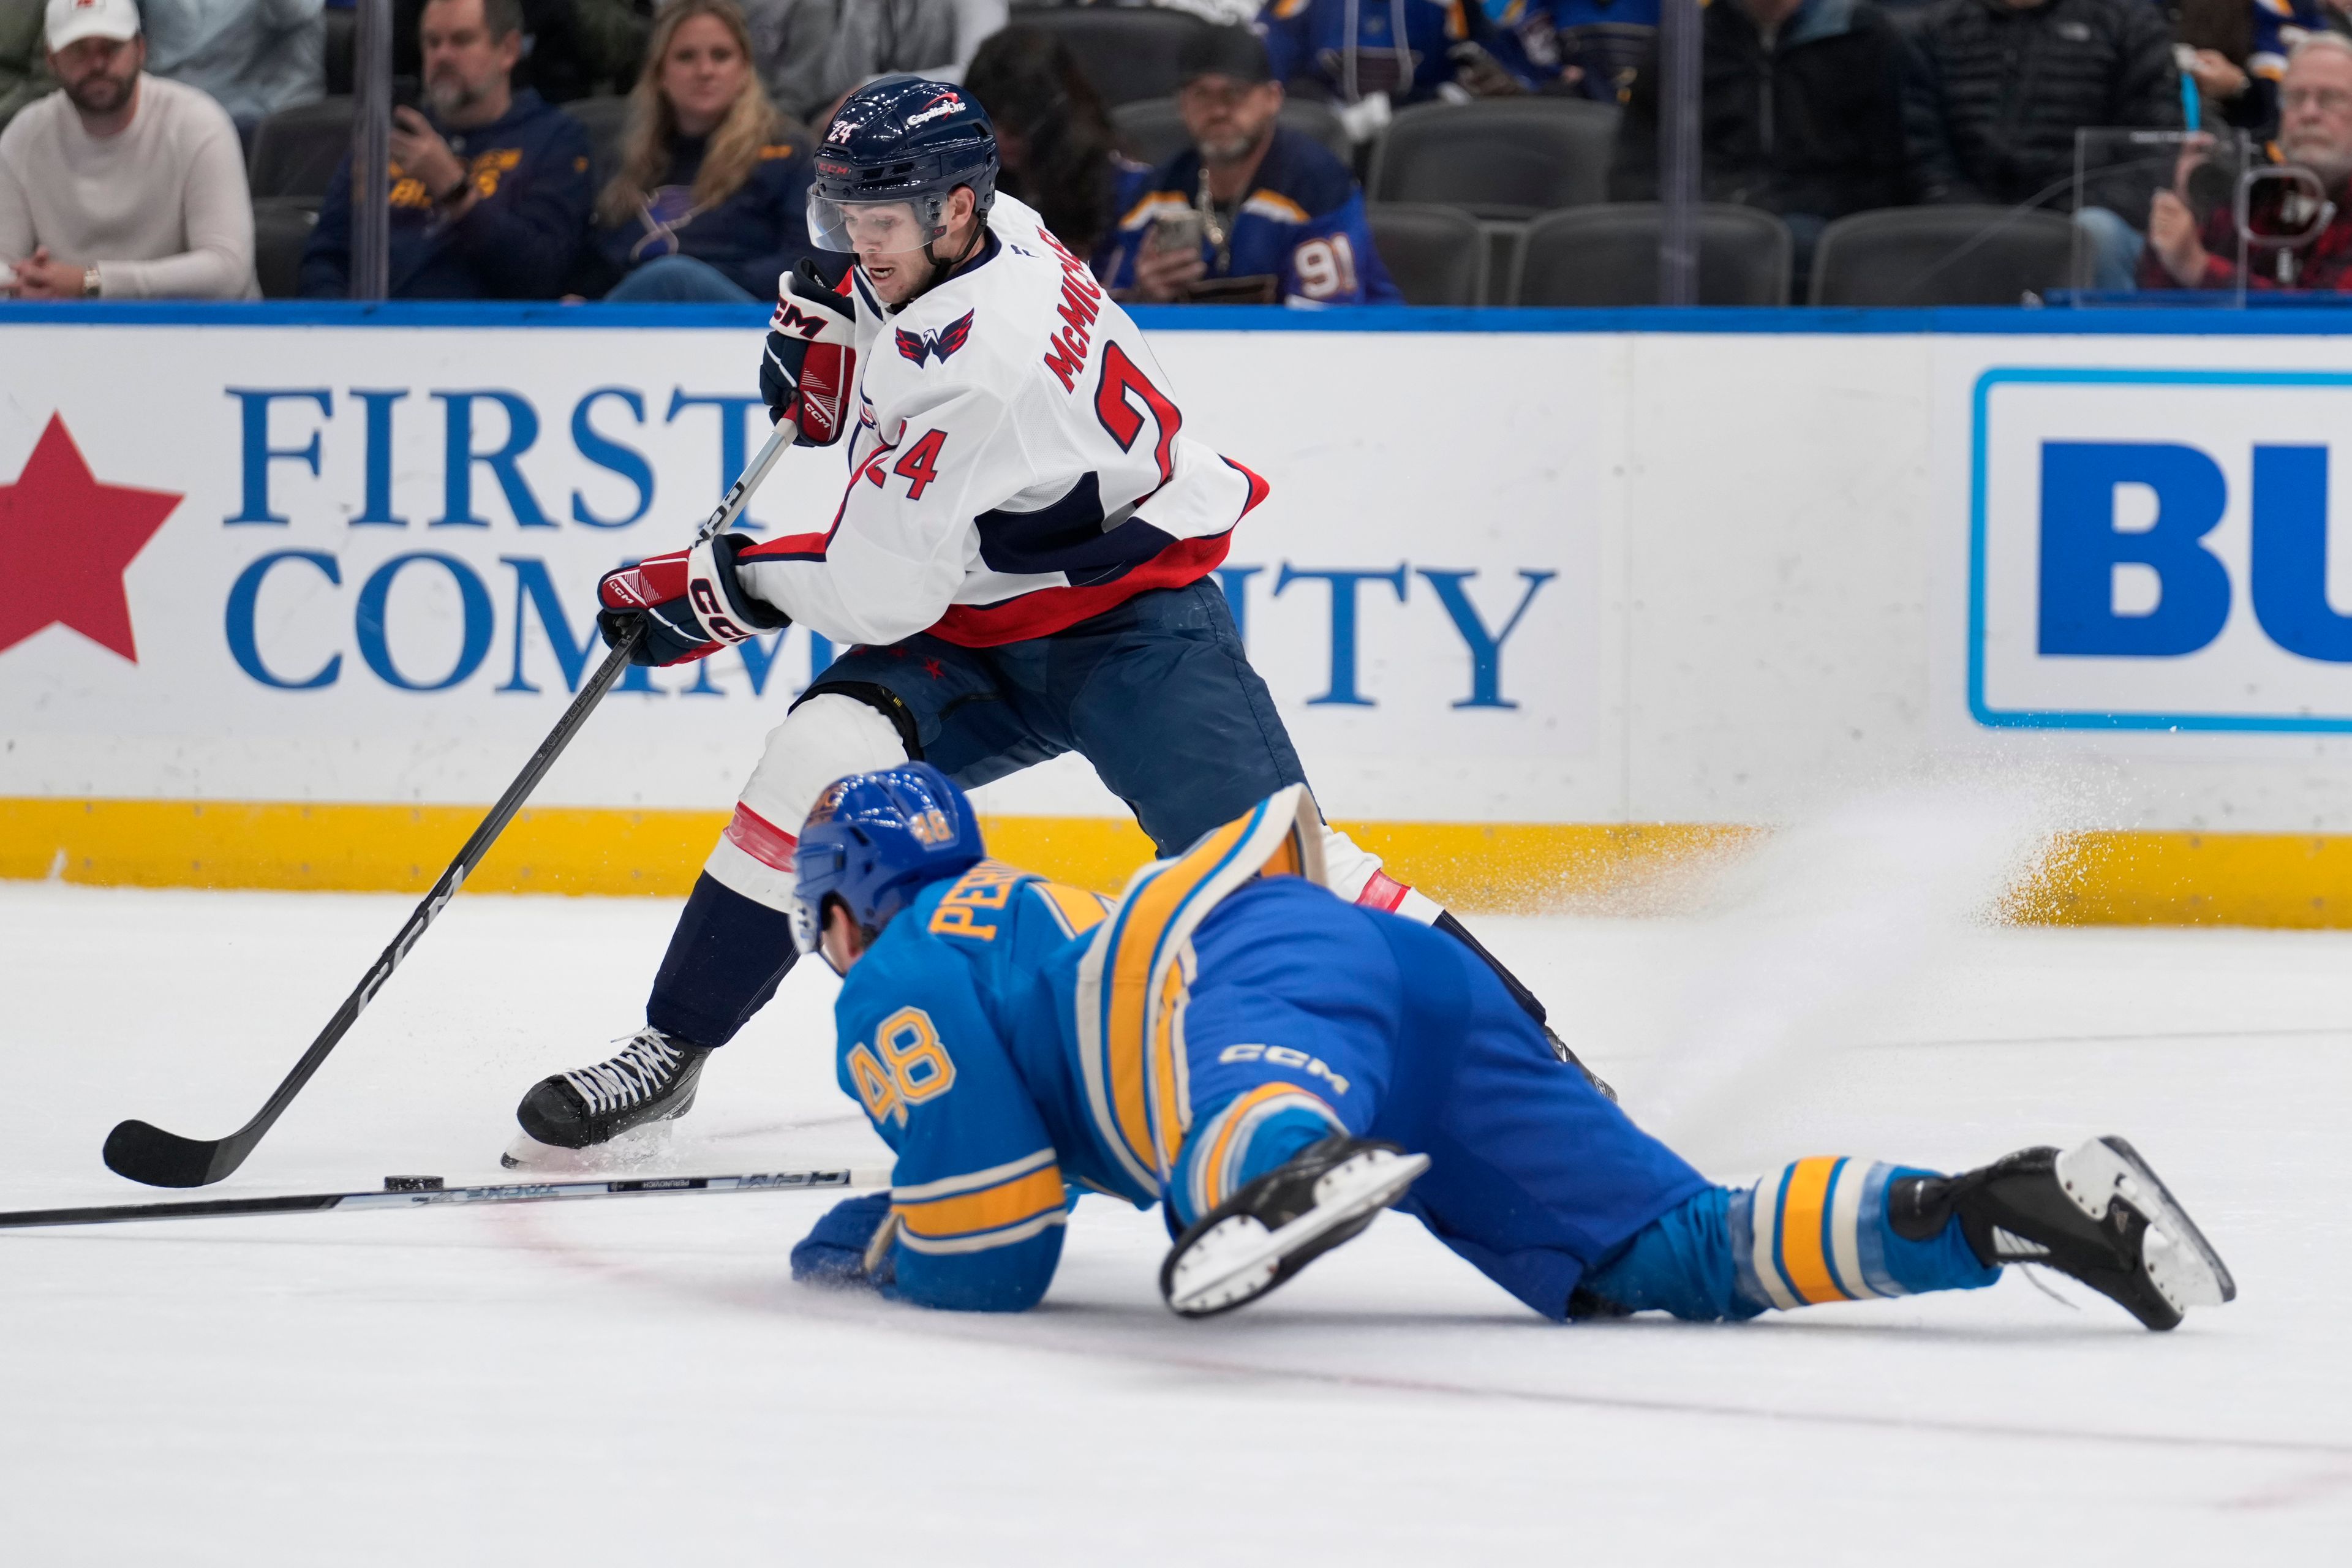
1022,559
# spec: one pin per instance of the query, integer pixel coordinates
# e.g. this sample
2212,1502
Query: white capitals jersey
1018,463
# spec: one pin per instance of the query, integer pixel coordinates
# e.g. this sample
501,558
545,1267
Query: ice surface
638,1382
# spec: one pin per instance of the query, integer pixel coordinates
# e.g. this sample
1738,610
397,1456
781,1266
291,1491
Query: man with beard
2314,133
490,187
121,186
1252,211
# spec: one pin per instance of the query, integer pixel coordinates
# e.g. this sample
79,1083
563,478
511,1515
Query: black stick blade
159,1158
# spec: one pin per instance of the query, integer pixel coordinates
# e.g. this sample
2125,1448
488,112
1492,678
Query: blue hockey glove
811,361
691,602
835,1252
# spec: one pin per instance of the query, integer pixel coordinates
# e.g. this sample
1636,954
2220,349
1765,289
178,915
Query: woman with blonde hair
710,201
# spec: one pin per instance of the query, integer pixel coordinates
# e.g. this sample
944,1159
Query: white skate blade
1237,1259
2181,1264
637,1147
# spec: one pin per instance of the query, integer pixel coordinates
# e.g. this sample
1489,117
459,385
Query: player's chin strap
941,272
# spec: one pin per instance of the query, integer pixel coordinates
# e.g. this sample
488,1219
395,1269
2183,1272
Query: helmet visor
899,227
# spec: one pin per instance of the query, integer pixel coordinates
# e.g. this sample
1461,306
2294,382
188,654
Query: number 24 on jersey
918,464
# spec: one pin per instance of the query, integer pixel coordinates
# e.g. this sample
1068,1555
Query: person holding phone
1252,212
490,187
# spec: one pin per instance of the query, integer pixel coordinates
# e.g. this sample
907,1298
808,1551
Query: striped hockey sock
1812,1232
1817,1231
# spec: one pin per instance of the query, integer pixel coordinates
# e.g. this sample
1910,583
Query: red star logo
65,539
933,668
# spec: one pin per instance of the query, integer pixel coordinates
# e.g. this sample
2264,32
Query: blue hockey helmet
902,139
876,841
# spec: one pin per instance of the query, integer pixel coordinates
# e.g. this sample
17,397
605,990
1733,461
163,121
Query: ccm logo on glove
691,603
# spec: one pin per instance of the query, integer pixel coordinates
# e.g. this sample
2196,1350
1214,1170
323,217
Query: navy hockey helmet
902,139
875,841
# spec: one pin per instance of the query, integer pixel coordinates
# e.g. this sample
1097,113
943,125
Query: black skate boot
2096,1213
1278,1224
652,1079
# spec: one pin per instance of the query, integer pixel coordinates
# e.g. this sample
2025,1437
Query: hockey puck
412,1184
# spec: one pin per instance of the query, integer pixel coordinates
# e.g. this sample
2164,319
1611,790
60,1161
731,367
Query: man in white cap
121,186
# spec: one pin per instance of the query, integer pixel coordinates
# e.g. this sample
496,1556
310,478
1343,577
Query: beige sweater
161,208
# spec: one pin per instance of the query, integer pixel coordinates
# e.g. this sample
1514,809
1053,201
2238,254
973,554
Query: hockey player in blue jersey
1276,1066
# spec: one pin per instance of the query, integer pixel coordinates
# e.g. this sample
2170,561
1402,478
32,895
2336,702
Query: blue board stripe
2316,319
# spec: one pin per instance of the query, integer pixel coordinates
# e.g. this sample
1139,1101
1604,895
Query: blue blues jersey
924,1025
1354,48
1007,1036
1538,40
2278,27
1303,223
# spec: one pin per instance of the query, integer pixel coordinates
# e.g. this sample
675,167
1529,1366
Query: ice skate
1283,1221
651,1079
2097,1213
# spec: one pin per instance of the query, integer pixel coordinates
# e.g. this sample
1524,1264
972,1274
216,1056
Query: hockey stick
145,1152
398,1197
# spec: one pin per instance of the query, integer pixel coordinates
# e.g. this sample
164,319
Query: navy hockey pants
1157,693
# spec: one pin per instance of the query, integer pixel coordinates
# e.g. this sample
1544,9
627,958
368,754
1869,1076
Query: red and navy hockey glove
691,602
811,362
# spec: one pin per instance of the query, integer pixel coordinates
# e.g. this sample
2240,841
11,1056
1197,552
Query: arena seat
296,151
1500,157
1437,254
1607,255
342,49
281,228
1151,132
1944,256
1127,54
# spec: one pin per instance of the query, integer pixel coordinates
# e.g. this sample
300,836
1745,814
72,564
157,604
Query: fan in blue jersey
1252,210
1358,50
1232,1040
1590,48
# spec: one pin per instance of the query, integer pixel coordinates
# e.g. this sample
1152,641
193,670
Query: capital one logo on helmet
947,103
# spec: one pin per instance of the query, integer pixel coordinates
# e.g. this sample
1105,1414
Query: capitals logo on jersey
941,343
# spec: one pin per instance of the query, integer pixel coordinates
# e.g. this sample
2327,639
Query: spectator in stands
1367,57
121,186
2214,45
1802,114
1053,139
558,59
1252,210
1585,48
254,56
812,52
2310,241
490,189
710,201
1998,89
24,65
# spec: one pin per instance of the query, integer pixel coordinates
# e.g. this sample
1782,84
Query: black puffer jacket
1810,123
1995,93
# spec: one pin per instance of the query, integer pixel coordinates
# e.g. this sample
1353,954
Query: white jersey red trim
1019,463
